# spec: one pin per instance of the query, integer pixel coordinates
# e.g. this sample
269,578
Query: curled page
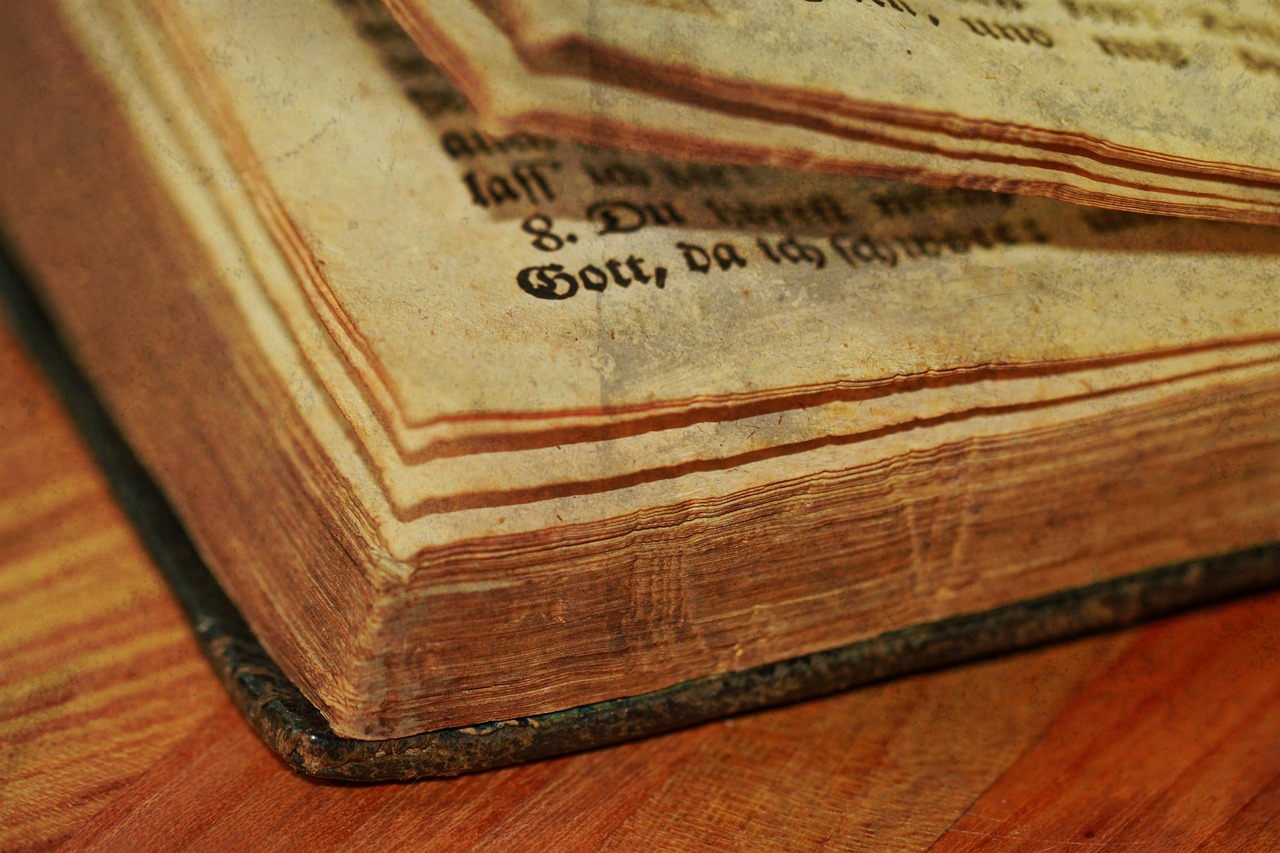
1167,108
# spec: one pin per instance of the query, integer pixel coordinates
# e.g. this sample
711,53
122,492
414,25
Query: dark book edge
297,732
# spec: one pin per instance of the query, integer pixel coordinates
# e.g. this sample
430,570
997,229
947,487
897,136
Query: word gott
552,281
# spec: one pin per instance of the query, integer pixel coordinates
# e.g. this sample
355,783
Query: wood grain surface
115,735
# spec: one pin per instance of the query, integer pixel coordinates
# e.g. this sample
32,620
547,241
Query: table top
113,729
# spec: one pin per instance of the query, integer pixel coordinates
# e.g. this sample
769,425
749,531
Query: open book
478,427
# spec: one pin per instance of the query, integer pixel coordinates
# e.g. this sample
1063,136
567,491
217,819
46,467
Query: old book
1164,108
481,431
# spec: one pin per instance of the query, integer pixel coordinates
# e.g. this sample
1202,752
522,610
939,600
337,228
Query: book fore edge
296,731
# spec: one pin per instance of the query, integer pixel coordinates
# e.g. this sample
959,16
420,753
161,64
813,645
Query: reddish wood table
113,731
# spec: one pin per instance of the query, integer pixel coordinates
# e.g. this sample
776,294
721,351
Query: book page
1193,79
1033,340
954,94
483,283
521,487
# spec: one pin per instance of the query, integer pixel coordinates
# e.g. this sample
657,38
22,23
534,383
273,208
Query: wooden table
114,732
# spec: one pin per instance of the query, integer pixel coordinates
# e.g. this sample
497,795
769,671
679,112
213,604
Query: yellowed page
1169,78
510,95
443,325
1130,319
479,480
562,464
936,133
